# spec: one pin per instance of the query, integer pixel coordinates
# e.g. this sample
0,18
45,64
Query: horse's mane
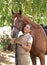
28,21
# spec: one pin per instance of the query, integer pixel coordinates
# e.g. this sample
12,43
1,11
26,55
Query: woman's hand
17,41
14,41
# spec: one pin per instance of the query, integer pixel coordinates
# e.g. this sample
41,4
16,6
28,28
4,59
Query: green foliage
34,9
5,14
4,42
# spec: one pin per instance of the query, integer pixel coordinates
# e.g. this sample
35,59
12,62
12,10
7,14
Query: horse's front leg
33,58
42,58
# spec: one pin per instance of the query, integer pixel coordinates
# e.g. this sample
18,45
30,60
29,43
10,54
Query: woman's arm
28,47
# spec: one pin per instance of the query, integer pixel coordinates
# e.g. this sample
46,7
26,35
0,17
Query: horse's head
17,23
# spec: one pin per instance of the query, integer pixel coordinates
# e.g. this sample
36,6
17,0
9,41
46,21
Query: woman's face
27,28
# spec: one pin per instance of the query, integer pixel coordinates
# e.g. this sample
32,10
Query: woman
24,43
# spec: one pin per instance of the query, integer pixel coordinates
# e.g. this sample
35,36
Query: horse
39,46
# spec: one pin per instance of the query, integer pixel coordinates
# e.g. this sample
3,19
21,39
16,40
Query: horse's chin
14,36
17,35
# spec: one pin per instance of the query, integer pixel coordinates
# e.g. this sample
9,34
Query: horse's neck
28,21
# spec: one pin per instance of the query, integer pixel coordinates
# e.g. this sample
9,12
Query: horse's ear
12,12
20,12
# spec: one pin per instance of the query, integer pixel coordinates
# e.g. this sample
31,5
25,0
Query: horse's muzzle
14,34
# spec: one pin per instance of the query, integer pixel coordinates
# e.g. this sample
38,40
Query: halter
15,27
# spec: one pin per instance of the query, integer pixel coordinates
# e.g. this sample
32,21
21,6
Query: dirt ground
7,58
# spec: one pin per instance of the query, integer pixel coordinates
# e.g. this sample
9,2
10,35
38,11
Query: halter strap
15,27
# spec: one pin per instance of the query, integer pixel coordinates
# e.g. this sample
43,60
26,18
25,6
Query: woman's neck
26,33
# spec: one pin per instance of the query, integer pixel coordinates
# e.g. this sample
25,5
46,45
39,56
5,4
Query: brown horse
39,44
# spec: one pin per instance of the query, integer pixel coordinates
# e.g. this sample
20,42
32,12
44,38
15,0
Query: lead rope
16,55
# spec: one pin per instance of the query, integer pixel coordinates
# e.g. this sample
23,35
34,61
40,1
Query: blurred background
34,9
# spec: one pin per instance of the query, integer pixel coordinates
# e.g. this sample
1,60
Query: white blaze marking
15,19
